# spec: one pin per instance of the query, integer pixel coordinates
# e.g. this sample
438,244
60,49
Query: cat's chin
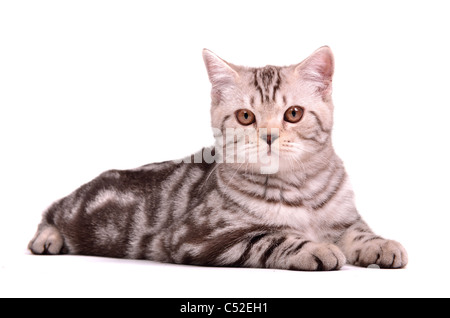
275,167
270,169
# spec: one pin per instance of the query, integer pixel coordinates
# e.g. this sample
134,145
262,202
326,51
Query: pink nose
269,138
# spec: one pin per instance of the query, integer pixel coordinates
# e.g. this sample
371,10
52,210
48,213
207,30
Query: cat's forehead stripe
267,81
252,102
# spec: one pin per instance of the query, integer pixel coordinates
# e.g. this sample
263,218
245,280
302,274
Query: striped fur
223,213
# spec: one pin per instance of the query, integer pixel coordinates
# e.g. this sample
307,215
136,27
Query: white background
87,86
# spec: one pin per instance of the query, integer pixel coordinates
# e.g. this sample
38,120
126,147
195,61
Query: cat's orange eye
245,117
293,114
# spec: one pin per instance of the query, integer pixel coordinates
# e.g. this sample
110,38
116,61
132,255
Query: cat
217,207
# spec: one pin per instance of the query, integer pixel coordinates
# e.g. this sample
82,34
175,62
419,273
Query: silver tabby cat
296,212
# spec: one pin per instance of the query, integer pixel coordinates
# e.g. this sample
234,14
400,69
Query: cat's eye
293,114
245,117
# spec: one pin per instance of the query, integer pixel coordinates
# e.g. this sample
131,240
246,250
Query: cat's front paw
384,253
318,257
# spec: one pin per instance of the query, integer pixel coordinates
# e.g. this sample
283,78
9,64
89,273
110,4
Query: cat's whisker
209,175
299,148
296,160
231,179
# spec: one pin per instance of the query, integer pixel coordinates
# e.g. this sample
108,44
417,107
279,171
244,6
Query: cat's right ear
318,70
221,74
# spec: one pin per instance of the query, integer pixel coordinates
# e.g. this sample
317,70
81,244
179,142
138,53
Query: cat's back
118,212
155,177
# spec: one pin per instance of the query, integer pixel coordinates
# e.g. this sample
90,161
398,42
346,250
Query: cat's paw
47,241
384,253
318,257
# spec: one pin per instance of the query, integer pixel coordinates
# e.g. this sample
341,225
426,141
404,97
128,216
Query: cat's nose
269,138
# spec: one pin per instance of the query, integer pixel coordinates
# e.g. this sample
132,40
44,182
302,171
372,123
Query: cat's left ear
318,69
221,73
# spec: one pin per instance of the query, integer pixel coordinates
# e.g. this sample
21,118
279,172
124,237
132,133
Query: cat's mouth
270,149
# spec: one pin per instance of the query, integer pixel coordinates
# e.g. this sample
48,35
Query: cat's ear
221,74
318,69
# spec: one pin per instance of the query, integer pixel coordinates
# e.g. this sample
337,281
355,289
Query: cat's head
286,113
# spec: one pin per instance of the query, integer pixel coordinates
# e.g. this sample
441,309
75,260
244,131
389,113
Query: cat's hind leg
47,240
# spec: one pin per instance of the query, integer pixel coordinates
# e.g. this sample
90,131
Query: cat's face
279,116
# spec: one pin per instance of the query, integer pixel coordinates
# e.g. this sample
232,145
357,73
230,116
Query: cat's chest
271,201
272,208
312,224
284,215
